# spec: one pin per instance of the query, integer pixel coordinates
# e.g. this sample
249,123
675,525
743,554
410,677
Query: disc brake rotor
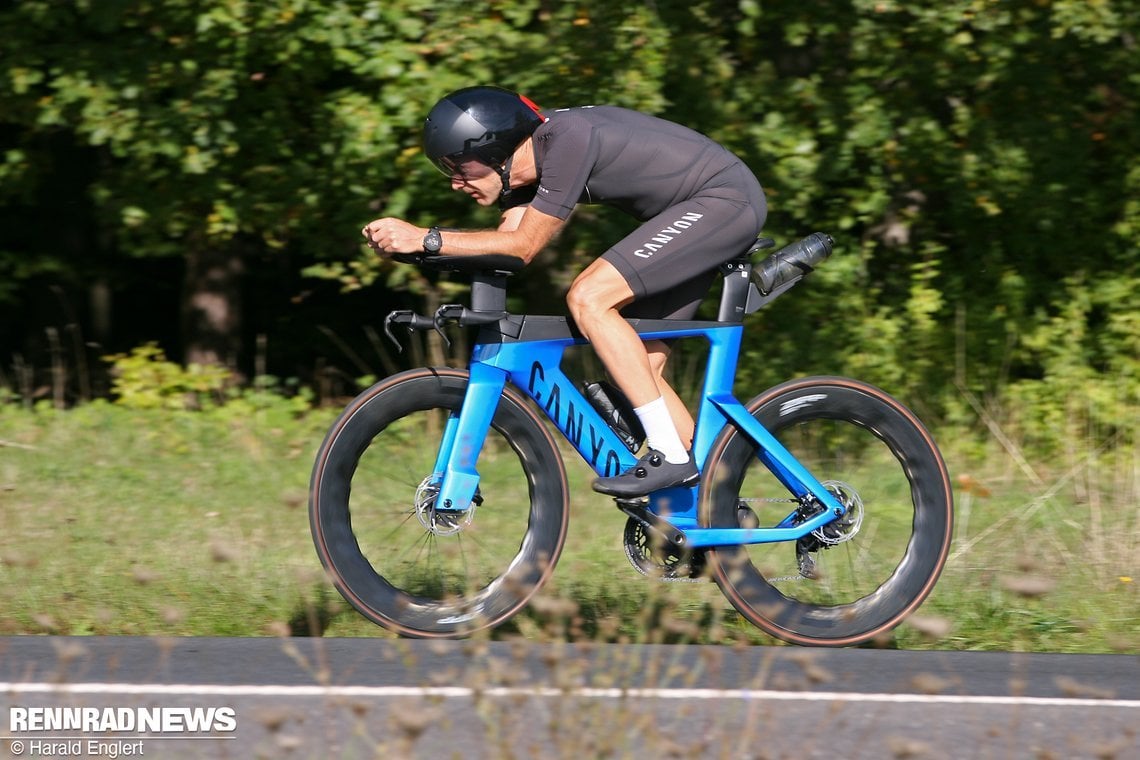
838,531
846,527
440,522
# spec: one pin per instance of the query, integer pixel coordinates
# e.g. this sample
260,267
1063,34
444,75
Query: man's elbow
526,247
530,253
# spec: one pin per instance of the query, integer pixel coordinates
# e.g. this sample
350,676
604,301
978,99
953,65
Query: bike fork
464,437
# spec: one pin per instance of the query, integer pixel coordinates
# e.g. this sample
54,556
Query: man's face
476,179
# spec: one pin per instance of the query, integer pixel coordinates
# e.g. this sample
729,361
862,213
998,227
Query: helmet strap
505,175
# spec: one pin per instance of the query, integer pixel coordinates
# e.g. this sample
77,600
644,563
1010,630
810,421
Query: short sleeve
565,152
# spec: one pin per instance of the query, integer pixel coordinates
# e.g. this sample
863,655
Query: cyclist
698,203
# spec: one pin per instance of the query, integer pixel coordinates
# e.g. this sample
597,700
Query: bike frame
527,352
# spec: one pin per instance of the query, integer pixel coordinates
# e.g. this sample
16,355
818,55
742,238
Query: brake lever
409,319
452,312
449,312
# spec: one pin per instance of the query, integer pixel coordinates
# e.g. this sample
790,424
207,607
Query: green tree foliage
973,158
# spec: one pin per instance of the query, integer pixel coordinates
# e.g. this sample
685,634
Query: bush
146,379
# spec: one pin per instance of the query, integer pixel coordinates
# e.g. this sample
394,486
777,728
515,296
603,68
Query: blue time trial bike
439,501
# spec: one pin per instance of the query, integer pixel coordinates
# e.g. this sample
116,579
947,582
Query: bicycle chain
690,579
767,499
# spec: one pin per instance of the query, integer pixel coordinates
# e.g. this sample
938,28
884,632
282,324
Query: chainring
653,556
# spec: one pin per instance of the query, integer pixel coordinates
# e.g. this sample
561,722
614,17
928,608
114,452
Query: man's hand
390,236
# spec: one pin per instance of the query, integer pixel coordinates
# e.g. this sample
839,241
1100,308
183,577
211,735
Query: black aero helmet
482,123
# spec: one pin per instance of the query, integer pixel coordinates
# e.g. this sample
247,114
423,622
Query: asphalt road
368,698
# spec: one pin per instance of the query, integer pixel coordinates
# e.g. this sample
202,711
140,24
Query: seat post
734,295
737,278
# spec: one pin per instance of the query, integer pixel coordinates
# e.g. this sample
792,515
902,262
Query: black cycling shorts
670,261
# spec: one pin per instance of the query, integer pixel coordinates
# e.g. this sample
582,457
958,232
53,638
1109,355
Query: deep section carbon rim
399,560
859,577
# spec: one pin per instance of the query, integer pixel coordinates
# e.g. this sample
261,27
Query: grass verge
115,521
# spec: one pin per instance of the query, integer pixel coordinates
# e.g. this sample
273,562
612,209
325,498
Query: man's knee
596,290
578,297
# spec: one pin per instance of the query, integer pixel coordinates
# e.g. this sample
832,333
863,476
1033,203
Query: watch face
433,241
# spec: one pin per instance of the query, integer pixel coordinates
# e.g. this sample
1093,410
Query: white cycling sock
660,433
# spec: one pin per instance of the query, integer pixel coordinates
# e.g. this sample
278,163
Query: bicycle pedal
636,509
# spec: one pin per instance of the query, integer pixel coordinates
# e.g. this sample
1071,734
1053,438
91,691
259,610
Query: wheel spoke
377,531
863,573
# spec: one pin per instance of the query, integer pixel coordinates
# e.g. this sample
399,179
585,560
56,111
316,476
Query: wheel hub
441,522
847,526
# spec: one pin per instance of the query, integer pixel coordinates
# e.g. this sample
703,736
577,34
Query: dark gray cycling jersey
699,204
622,158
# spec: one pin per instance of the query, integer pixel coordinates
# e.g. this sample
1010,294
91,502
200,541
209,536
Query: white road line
251,690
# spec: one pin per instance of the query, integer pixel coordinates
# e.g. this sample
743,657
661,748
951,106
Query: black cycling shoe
651,473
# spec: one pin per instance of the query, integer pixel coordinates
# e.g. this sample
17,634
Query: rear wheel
400,561
862,574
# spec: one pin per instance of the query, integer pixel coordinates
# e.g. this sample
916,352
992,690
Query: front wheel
861,575
401,562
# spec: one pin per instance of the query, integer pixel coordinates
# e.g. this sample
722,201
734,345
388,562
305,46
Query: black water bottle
791,262
616,410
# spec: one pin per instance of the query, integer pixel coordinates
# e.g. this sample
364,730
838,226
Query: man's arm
512,218
522,232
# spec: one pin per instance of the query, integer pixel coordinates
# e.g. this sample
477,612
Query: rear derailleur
838,531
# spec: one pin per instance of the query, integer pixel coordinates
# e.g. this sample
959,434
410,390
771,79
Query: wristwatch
433,241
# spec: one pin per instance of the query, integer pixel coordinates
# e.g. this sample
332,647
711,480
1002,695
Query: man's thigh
681,248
